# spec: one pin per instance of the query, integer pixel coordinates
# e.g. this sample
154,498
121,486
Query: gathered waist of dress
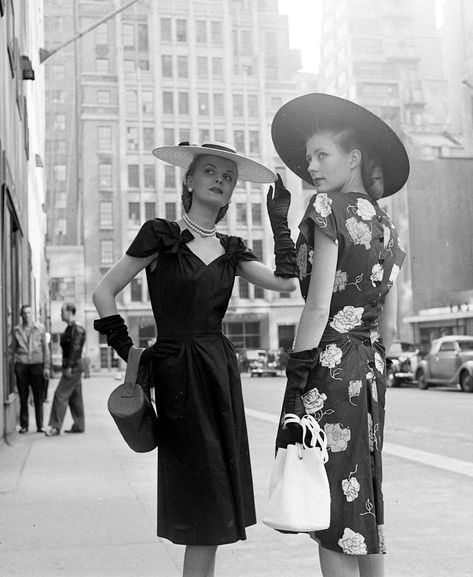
366,333
184,336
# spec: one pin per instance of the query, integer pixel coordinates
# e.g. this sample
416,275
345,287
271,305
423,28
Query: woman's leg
335,564
199,561
371,565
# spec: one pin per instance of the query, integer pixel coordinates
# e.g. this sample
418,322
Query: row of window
175,29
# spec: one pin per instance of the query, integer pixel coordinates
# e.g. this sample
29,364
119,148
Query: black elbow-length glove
284,248
116,331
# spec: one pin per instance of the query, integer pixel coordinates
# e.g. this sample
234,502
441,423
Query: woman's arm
317,306
116,280
388,318
261,275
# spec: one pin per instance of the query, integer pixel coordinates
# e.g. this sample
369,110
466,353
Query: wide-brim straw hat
183,154
298,119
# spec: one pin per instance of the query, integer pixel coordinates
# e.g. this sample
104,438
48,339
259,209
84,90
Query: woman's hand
278,203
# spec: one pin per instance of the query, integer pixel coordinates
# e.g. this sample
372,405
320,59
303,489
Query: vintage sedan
449,362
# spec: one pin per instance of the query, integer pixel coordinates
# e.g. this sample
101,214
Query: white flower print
372,431
386,235
323,204
378,361
351,488
374,336
313,401
337,436
347,319
341,279
377,273
359,232
311,256
331,356
302,261
352,543
374,391
394,272
354,388
365,209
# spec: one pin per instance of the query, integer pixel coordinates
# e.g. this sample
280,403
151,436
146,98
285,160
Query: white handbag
299,493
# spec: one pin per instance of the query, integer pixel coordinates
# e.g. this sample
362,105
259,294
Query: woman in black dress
205,492
349,256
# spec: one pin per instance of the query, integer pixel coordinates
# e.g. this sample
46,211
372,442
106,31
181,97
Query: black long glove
116,331
284,249
298,368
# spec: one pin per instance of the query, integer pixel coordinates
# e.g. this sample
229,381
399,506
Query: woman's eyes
322,155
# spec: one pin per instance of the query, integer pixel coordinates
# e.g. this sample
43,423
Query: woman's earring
189,188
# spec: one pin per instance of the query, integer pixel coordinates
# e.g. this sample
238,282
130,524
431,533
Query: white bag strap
310,424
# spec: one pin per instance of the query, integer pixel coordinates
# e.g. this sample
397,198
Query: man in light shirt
32,362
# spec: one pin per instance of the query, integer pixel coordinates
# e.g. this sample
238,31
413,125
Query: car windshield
466,345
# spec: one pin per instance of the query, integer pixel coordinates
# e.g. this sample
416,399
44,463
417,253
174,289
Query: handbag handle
317,435
133,363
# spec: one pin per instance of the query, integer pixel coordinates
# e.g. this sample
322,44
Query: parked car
259,364
449,362
405,359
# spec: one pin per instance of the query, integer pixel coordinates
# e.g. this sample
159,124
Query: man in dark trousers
69,390
32,360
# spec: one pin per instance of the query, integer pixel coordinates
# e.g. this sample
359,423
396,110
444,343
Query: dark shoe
23,430
73,431
53,432
40,430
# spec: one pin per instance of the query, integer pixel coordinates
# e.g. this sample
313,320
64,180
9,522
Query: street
85,505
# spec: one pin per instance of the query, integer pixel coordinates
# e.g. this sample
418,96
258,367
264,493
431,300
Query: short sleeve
237,250
322,212
152,237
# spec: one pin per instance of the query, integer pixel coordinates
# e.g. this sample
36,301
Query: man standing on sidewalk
69,390
32,361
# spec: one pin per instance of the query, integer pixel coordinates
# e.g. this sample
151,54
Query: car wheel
422,381
466,382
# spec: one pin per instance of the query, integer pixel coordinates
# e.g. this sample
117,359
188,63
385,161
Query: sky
304,29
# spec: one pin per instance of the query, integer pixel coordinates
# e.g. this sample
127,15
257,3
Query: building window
60,146
132,138
59,122
169,177
243,335
129,65
184,135
133,176
170,211
102,65
105,215
168,136
219,134
284,295
204,135
148,138
201,31
202,67
63,288
101,34
258,249
254,142
59,96
166,65
243,288
143,65
104,137
256,215
147,101
238,105
134,214
143,44
182,71
59,171
106,252
239,140
128,35
150,210
241,215
103,96
131,101
181,30
183,102
252,105
218,105
149,176
246,43
217,67
216,33
168,103
203,103
259,292
166,35
105,175
135,290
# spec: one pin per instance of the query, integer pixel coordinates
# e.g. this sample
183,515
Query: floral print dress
346,390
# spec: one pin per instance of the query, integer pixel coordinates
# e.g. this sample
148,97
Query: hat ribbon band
218,147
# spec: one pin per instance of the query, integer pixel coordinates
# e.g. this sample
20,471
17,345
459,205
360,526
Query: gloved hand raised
278,201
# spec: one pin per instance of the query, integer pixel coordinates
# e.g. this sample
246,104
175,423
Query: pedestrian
349,256
205,489
68,392
32,365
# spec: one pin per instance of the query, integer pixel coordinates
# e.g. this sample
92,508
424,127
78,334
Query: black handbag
132,409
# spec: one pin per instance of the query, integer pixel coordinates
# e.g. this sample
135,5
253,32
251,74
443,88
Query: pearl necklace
204,232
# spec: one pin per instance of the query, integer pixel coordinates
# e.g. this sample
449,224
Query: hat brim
296,120
248,170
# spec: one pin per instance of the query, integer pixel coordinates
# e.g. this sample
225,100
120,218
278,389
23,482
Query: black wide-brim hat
299,119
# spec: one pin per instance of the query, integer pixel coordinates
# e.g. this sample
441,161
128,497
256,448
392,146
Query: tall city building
159,73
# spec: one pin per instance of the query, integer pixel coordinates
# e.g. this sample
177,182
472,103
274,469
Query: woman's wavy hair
186,196
371,169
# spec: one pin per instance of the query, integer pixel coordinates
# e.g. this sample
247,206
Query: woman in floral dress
349,256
